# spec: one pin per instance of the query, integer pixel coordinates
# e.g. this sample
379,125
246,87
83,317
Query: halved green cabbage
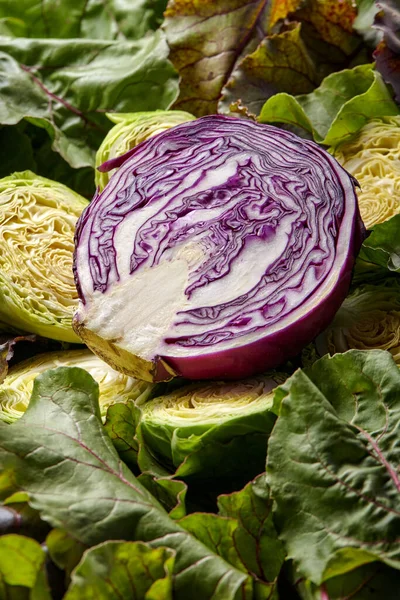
373,158
234,418
130,130
16,389
37,222
369,318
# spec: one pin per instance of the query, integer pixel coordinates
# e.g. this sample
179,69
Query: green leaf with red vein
121,422
232,56
281,63
59,454
123,570
66,87
243,533
101,19
206,39
374,581
333,464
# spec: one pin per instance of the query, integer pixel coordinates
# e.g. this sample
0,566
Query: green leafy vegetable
67,87
281,63
373,158
64,550
171,493
368,319
102,19
130,130
232,56
182,428
244,534
256,538
374,581
333,462
59,454
121,423
342,105
382,248
37,221
21,575
16,389
123,570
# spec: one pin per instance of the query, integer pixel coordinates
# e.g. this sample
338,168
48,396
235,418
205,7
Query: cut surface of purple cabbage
218,249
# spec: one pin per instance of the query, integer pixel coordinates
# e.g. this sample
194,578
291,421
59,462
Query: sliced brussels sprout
37,222
130,130
369,318
373,158
16,389
187,425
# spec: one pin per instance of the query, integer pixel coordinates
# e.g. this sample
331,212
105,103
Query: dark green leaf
101,19
243,533
123,570
64,550
256,538
280,63
121,422
333,464
59,453
206,41
171,493
65,87
374,581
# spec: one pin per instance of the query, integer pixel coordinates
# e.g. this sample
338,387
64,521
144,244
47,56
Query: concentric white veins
214,236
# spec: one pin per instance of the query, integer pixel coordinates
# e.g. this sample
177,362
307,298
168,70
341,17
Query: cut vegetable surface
16,389
218,249
373,157
235,417
37,220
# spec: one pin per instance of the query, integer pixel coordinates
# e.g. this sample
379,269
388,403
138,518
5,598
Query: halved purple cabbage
217,250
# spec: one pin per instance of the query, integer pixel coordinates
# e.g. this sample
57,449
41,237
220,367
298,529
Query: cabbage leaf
204,429
114,387
373,158
368,319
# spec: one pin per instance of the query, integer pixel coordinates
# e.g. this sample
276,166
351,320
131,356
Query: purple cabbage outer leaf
218,250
